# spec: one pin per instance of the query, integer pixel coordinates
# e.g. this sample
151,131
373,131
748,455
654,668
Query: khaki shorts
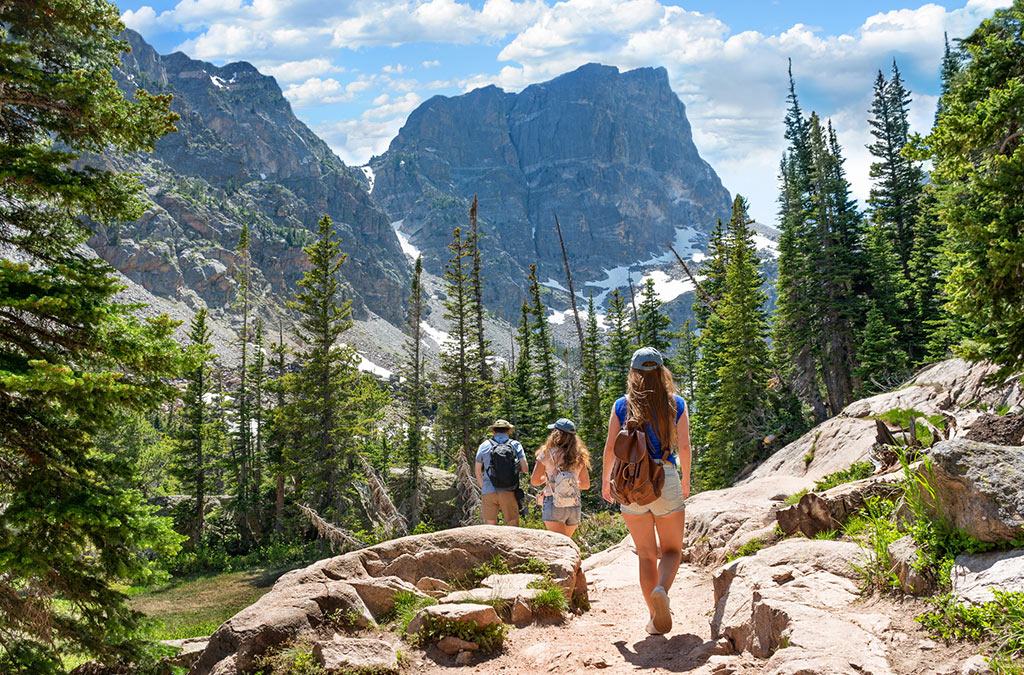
505,501
670,501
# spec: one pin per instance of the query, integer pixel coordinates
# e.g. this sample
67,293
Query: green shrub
496,565
599,531
795,498
294,659
857,471
750,548
878,531
489,638
533,566
999,622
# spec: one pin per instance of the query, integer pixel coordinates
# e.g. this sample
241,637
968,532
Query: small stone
521,612
453,645
417,623
722,647
976,665
927,645
595,662
464,658
432,586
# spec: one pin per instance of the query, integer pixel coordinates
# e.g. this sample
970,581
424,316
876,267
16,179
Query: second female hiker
651,401
563,468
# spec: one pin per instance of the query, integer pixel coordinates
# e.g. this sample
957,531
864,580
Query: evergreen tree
652,323
685,364
415,390
546,369
190,460
324,405
952,64
895,197
278,433
619,349
483,345
244,500
709,346
459,388
257,382
736,424
882,363
528,411
977,149
73,360
593,418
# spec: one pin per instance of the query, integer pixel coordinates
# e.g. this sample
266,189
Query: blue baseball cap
646,358
565,425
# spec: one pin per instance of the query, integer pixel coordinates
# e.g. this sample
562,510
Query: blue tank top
652,435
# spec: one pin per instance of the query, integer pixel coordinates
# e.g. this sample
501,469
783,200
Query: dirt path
611,637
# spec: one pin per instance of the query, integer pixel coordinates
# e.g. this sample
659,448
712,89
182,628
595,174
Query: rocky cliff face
241,156
611,153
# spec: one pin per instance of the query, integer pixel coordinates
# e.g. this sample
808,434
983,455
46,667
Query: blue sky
354,69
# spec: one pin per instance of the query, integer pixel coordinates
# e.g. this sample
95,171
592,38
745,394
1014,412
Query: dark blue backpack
504,467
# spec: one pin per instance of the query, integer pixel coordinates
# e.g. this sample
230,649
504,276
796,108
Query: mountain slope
241,156
611,153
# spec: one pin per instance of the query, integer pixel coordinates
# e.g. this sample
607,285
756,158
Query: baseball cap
565,425
646,358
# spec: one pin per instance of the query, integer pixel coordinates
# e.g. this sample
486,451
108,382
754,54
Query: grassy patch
877,531
599,531
1000,623
407,606
196,607
857,471
533,566
551,599
496,565
793,499
294,659
750,548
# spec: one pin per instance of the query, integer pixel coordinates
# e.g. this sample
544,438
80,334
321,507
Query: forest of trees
100,409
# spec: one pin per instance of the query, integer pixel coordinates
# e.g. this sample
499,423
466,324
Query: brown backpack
635,479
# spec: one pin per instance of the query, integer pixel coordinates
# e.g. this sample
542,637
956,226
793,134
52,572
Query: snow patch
551,283
618,277
763,243
561,317
438,336
368,366
263,176
666,287
403,240
219,83
370,176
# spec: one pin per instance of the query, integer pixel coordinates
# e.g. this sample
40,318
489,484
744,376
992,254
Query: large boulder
361,585
976,575
788,603
348,655
979,488
829,510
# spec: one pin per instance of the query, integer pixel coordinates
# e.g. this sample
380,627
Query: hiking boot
662,621
651,629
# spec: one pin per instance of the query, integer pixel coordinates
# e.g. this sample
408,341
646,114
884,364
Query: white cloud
398,108
316,91
431,64
293,71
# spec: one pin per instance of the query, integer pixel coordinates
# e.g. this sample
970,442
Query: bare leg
670,536
560,528
641,528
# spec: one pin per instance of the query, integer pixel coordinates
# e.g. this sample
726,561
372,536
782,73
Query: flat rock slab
486,596
345,654
189,650
976,575
516,581
481,615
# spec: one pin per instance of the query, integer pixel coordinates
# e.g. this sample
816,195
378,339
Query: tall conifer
653,324
415,393
543,350
619,349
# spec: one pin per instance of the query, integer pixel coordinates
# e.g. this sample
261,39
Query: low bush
856,471
489,638
1000,623
750,548
551,599
293,659
407,606
599,531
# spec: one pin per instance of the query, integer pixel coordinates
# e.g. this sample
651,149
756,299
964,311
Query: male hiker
499,461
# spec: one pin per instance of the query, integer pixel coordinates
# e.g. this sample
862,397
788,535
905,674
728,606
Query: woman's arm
609,456
539,476
683,444
583,477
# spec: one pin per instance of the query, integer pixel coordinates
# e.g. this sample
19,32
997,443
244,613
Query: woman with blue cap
563,468
652,401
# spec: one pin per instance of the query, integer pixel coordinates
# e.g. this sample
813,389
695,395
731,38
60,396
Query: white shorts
670,501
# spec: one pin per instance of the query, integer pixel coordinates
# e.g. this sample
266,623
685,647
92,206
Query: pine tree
415,390
593,418
685,364
709,346
324,406
619,349
736,424
882,363
652,323
243,456
483,345
528,411
952,64
74,360
895,197
257,381
546,369
459,388
278,433
190,459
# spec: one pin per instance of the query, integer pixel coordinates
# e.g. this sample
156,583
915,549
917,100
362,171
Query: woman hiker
563,468
651,399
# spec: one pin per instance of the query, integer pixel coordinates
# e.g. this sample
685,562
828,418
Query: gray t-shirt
483,455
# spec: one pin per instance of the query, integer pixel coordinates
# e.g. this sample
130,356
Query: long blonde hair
574,452
650,395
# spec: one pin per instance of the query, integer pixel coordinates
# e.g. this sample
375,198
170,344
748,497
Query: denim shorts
567,515
670,501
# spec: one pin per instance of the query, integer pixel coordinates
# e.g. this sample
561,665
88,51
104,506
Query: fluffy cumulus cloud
732,82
